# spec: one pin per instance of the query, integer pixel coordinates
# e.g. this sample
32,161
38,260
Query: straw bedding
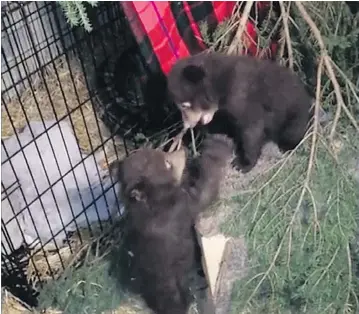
67,90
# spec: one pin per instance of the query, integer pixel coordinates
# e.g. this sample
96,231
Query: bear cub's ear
139,191
138,195
115,170
193,73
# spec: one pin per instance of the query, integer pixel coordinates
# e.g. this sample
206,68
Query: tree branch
237,44
328,65
286,32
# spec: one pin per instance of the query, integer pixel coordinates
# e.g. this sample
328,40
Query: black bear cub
258,99
163,194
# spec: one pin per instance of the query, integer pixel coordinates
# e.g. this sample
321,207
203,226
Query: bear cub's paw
241,166
218,146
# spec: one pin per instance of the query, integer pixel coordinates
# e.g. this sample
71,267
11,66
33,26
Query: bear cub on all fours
259,99
163,194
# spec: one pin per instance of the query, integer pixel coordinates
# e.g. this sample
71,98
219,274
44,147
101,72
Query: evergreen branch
69,9
350,275
221,39
83,16
293,231
237,42
352,88
305,186
285,14
328,65
75,13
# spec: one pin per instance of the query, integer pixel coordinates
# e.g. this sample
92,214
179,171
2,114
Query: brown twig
286,32
174,138
177,140
328,65
166,142
193,143
316,121
281,43
352,88
237,44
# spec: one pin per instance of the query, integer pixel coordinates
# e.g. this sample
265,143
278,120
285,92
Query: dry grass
44,264
12,305
67,91
51,264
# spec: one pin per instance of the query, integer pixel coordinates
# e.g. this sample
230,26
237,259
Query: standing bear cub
258,99
163,194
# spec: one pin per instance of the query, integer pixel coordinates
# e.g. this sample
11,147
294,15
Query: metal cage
50,99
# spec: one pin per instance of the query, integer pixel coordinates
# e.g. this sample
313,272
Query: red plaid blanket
169,30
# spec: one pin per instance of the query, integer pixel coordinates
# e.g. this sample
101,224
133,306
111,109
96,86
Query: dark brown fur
162,205
260,100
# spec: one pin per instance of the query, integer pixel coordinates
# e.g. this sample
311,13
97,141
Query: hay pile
45,265
12,305
69,94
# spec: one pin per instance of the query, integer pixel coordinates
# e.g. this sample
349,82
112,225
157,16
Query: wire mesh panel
55,147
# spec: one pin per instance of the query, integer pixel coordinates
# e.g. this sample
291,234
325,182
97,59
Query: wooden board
215,251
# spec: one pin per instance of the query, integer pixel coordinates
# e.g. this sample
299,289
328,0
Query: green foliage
302,234
75,13
300,251
219,39
88,289
268,29
340,32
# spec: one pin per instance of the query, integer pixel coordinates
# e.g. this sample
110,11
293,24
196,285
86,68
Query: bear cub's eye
168,164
